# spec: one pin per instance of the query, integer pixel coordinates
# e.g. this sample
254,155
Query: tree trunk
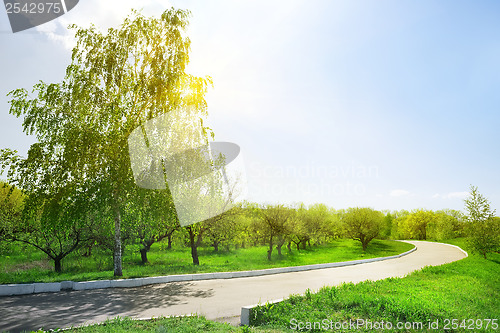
144,255
57,265
194,247
278,247
117,256
88,251
216,246
270,251
289,246
169,239
194,255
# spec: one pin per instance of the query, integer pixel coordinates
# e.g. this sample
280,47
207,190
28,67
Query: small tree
298,226
362,224
483,228
399,218
275,223
11,207
56,225
415,225
322,224
224,229
445,226
385,232
195,233
202,198
256,232
243,221
153,218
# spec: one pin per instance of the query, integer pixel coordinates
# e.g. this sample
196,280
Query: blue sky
386,104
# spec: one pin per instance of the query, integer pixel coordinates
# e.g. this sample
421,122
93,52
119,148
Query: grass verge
463,296
163,325
20,264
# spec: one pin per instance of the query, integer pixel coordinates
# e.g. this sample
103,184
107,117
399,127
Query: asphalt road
214,299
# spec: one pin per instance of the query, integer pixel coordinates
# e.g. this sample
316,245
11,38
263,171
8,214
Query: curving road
215,299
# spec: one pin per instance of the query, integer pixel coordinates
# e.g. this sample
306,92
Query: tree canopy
362,224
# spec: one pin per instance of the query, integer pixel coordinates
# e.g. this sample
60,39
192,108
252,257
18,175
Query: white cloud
57,32
103,14
399,193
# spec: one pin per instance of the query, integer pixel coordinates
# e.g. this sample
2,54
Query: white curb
245,311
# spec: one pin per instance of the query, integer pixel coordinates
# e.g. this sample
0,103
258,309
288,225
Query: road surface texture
214,299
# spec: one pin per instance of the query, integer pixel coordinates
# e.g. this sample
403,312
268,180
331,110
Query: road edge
35,288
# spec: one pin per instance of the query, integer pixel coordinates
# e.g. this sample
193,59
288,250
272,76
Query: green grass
21,264
466,289
164,325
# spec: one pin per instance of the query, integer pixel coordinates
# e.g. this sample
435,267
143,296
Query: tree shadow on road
53,310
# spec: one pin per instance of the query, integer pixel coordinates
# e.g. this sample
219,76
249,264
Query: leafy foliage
414,226
362,224
447,225
11,206
276,225
482,226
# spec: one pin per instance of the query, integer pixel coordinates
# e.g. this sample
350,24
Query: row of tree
57,230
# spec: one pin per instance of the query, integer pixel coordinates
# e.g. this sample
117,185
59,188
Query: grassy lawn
21,264
467,289
164,325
